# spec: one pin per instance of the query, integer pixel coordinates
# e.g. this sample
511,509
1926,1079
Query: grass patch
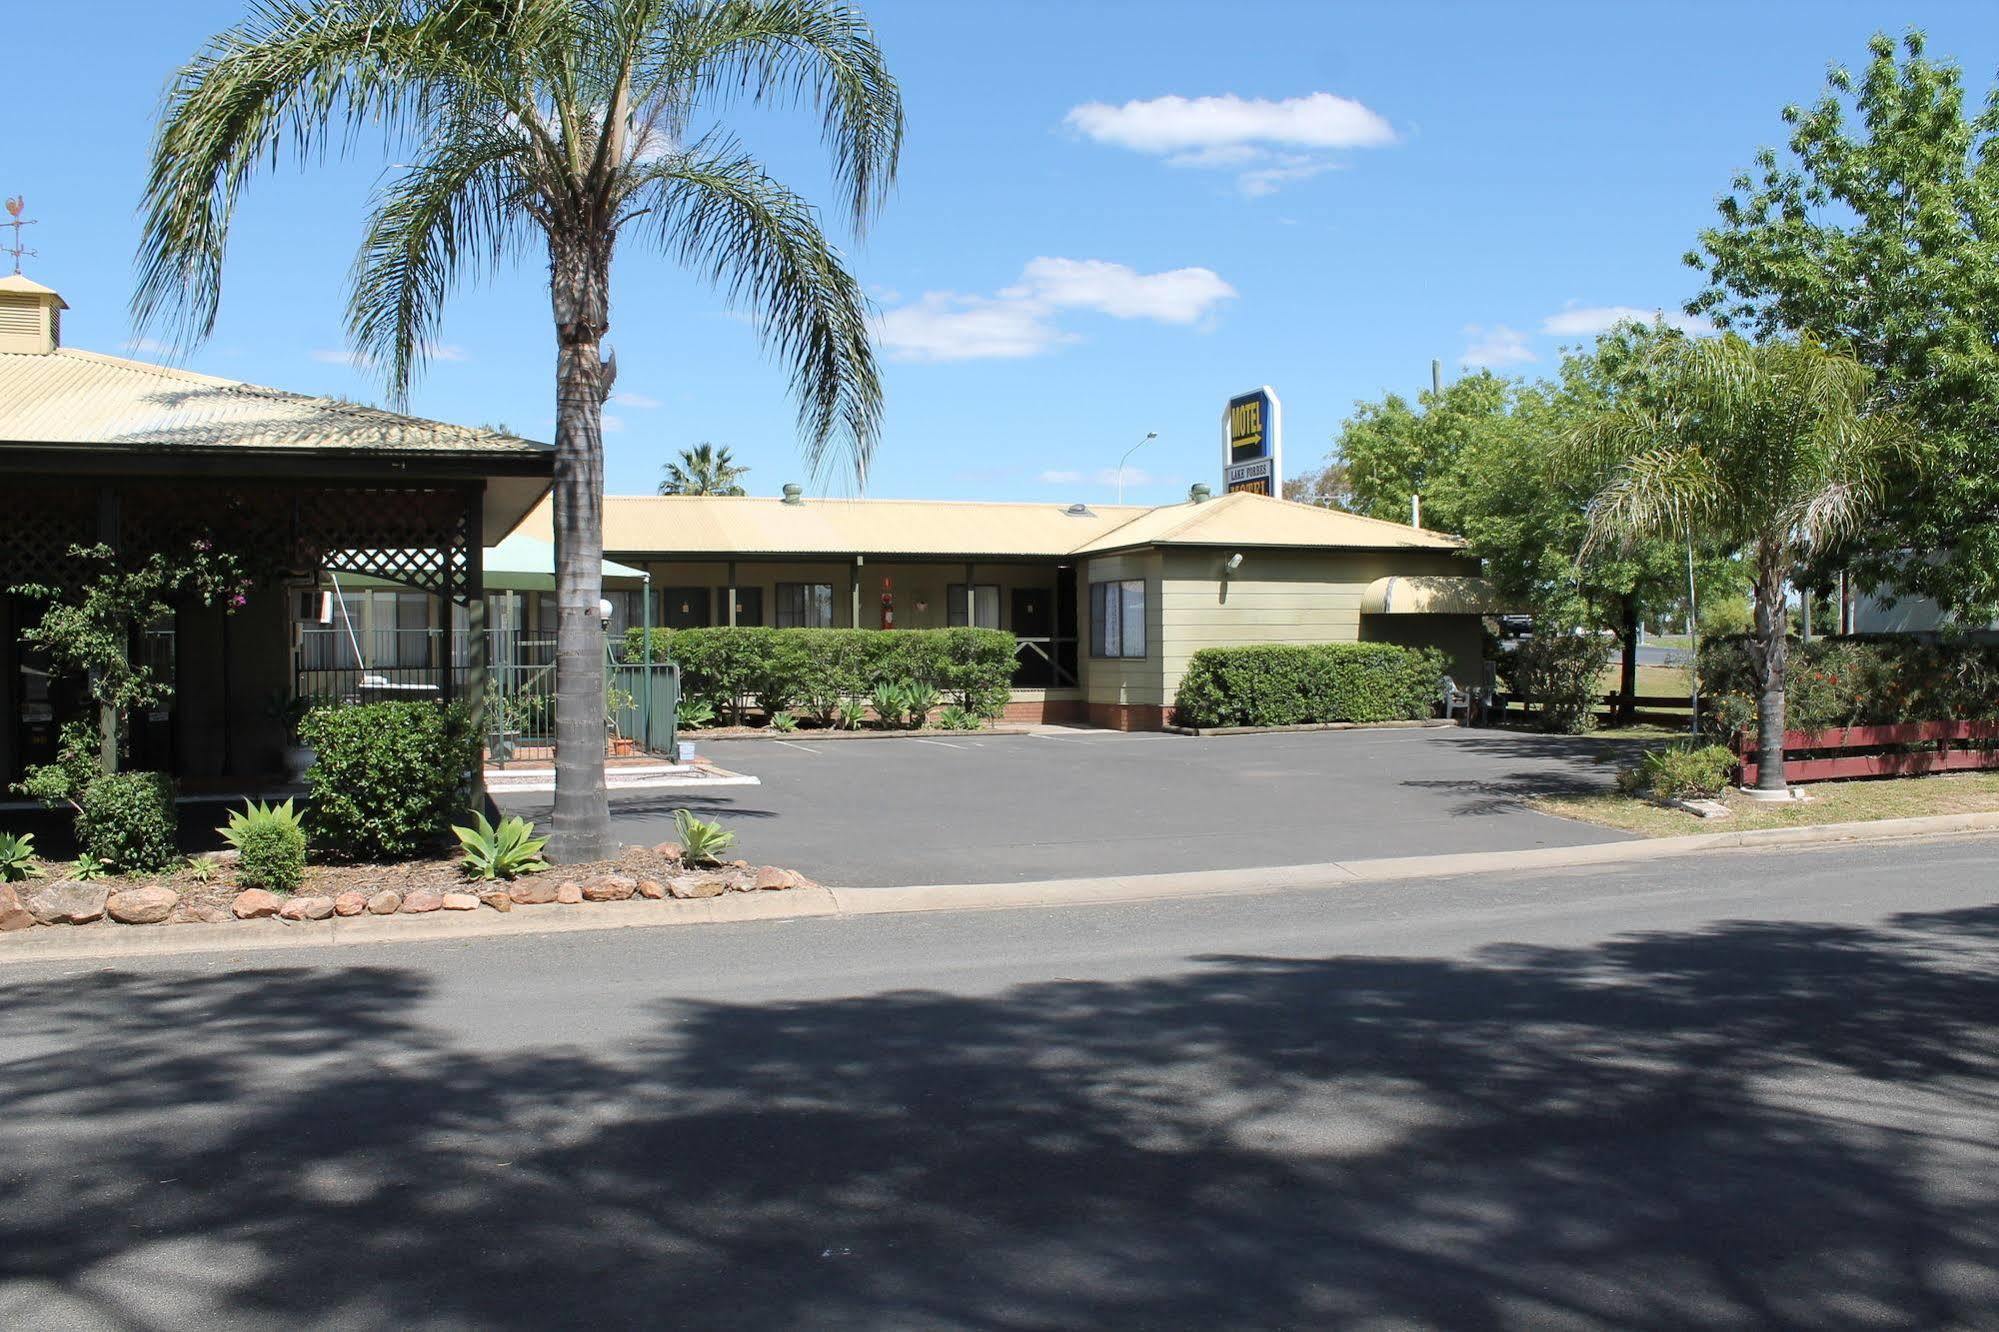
1653,681
1831,802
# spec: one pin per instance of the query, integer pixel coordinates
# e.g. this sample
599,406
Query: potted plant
295,757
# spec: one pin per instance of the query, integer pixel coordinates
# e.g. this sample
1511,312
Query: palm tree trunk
579,286
1771,656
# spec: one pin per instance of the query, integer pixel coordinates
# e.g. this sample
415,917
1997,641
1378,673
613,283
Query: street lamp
1150,435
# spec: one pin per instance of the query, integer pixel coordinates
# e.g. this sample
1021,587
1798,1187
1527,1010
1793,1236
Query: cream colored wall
1277,598
913,583
1124,679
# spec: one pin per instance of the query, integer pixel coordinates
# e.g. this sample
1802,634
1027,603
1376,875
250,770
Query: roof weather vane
14,220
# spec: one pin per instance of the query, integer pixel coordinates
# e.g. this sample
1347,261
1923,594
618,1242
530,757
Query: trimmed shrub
387,776
1561,675
1678,771
128,821
1276,684
635,643
1836,682
814,671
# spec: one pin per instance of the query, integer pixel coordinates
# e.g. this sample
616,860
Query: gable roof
1243,519
730,526
70,397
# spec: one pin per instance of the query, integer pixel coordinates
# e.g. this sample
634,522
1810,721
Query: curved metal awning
1403,595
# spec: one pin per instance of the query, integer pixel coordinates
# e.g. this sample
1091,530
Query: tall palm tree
556,128
703,470
1775,449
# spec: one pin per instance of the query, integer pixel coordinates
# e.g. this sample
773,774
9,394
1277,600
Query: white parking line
946,743
793,744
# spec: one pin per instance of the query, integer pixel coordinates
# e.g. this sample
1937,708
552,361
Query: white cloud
1019,320
1495,346
1195,124
1589,320
1106,477
638,400
1055,477
1270,143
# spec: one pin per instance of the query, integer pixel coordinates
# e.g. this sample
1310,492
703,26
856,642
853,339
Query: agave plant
504,852
17,858
701,843
919,701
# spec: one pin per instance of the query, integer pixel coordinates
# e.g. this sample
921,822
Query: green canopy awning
521,564
524,563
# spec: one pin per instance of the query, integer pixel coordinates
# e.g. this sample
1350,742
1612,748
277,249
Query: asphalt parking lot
989,809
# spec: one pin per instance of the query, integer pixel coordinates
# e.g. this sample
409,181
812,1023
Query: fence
1907,750
639,707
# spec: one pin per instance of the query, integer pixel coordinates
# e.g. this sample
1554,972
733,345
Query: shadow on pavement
1755,1125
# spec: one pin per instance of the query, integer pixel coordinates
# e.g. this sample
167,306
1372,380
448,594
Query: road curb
111,942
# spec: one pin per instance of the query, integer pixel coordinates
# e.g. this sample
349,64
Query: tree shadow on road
1753,1125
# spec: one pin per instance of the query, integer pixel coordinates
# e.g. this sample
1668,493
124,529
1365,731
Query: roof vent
1199,492
1080,511
794,493
30,317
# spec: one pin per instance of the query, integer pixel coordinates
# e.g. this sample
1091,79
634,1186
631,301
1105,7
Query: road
1007,808
1748,1090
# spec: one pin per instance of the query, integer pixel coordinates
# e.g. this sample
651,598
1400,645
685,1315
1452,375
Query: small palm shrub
504,852
891,703
920,700
955,718
270,846
88,867
1679,771
701,843
128,820
17,858
693,714
783,722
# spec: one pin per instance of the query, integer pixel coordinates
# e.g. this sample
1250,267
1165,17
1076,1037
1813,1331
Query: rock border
35,904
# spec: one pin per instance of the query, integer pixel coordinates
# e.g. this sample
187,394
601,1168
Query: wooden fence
1907,750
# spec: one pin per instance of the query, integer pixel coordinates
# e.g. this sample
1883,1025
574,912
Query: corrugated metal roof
72,397
722,525
1243,519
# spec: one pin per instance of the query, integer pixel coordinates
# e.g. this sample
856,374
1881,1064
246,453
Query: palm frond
762,246
798,50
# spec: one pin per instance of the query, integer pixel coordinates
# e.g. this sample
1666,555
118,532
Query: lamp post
1150,435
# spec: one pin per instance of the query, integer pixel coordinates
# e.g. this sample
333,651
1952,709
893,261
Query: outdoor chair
1454,699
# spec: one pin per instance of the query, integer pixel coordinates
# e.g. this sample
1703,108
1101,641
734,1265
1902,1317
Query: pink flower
237,601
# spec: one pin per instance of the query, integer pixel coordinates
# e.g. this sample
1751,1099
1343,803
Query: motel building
1107,602
396,557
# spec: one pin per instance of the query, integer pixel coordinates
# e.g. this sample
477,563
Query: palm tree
703,470
555,128
1773,449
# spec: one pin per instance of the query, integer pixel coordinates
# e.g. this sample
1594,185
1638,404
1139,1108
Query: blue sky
1111,216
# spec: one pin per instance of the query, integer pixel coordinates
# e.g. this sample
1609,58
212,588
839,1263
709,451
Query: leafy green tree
1392,451
703,470
1776,449
1879,233
556,129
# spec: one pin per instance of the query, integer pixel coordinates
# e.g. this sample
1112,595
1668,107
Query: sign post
1253,443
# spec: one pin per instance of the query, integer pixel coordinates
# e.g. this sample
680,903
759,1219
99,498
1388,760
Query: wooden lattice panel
38,526
415,536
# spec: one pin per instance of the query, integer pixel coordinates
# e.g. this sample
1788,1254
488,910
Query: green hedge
814,670
386,778
1834,682
1281,685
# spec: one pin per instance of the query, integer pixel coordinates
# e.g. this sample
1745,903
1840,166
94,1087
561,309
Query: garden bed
204,891
1831,802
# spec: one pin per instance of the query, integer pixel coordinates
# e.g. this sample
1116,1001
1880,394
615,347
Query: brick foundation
1128,716
1039,710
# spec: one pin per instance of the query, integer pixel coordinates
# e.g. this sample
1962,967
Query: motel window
805,605
1117,618
985,606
